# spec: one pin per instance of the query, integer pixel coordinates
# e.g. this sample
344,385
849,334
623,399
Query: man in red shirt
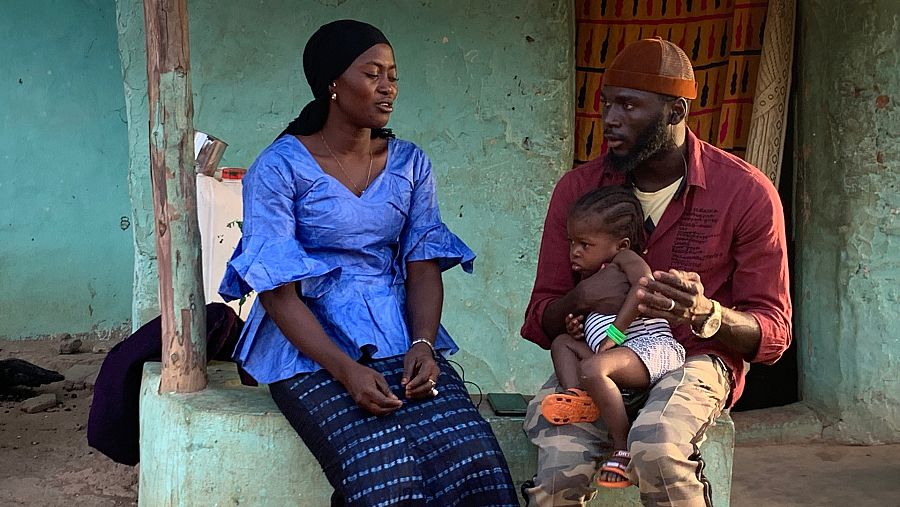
716,243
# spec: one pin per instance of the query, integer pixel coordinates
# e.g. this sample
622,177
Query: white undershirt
654,203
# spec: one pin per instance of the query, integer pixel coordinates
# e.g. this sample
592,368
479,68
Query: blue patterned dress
348,257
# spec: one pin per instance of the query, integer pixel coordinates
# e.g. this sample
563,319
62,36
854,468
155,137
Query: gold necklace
341,166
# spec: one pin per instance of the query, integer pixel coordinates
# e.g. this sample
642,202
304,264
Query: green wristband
613,333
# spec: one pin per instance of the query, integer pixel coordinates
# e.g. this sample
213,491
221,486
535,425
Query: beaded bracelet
613,333
426,342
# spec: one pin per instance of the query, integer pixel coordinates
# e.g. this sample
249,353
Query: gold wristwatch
711,324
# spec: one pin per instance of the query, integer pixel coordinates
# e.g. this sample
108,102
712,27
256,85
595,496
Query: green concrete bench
228,445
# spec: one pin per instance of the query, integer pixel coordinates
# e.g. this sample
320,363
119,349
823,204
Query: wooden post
181,299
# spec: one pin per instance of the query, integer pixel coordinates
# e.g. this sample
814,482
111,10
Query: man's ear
678,110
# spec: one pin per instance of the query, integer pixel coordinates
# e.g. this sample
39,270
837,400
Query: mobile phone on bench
507,404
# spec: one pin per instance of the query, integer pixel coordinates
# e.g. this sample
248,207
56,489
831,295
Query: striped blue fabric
596,323
434,452
650,339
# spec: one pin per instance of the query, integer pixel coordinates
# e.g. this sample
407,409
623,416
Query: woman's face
367,89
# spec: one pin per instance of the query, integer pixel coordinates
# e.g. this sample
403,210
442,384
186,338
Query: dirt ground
816,475
46,461
45,456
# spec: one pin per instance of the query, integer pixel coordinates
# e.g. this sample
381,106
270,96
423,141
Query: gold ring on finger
671,305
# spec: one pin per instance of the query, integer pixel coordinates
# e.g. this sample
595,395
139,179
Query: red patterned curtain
723,39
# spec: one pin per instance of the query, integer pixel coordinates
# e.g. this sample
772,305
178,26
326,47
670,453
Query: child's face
589,247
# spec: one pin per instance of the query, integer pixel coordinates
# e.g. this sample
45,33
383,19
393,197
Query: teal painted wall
65,261
847,207
486,89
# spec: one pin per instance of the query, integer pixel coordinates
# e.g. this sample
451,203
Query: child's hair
616,211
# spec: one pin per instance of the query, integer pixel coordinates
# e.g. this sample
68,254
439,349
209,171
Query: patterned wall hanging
765,145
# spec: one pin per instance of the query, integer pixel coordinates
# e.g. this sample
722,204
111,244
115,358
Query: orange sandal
615,467
569,407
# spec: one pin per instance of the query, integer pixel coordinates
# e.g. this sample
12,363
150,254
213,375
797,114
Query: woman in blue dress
344,243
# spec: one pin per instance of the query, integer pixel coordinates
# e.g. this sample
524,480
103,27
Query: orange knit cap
653,65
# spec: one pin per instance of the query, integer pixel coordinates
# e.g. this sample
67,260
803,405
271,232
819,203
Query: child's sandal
572,406
615,467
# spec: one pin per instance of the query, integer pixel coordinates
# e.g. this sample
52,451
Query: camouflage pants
664,442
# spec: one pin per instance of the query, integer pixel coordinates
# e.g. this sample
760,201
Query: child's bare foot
612,473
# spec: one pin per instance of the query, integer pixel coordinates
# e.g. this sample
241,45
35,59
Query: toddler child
607,353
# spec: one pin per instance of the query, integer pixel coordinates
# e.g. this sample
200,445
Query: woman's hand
370,390
420,372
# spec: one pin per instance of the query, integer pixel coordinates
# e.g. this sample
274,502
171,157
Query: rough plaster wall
848,207
65,241
485,88
133,57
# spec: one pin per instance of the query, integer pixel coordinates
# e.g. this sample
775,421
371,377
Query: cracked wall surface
847,209
485,88
65,225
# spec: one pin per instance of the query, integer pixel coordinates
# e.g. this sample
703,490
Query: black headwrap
326,56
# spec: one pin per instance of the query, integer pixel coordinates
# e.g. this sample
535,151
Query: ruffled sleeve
269,254
425,236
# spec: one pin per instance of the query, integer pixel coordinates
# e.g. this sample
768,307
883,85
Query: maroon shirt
727,225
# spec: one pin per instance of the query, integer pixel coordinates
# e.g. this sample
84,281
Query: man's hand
370,390
420,372
676,296
603,292
575,326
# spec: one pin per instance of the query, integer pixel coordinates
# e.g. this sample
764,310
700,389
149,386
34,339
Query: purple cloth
113,423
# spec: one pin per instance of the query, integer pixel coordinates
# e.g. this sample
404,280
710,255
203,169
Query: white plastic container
220,212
